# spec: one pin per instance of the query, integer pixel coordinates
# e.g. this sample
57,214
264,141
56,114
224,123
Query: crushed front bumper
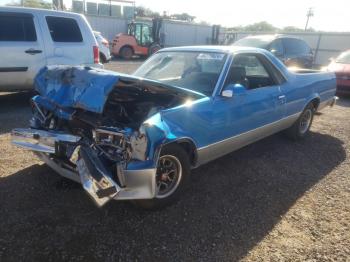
88,170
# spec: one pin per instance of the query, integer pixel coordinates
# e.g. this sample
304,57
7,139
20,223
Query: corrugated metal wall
108,26
324,45
175,33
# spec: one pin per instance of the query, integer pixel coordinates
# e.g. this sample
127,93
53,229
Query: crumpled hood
67,87
75,87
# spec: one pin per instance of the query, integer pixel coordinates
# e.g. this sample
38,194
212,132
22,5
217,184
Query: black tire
162,200
301,128
103,59
126,52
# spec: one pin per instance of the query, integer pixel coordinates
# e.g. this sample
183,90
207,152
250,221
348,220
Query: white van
32,38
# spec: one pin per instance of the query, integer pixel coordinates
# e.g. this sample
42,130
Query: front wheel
172,176
126,52
301,127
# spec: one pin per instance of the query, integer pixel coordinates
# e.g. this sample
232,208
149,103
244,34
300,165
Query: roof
213,48
272,36
29,10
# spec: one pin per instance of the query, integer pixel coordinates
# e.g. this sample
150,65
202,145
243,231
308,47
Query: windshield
253,42
344,58
197,71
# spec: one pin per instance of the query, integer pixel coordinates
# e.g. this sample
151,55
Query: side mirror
233,89
331,59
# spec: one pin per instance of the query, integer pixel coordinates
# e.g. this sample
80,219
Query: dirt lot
275,200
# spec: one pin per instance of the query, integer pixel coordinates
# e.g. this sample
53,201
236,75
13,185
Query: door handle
282,99
33,51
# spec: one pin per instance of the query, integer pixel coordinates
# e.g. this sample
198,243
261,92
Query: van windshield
197,71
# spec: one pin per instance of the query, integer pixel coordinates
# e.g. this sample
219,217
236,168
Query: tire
301,128
103,59
153,49
166,196
126,52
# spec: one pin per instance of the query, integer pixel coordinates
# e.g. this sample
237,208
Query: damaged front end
92,126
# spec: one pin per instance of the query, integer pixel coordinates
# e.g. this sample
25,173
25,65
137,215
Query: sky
329,15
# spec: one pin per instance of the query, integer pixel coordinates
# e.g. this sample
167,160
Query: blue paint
206,120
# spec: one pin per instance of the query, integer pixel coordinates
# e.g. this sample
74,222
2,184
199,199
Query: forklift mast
156,26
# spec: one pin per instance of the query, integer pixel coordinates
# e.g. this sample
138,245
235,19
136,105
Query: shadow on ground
344,101
14,110
232,204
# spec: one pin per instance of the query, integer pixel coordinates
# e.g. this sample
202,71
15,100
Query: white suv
33,38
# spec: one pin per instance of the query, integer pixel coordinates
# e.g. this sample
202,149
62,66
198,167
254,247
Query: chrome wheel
168,177
305,121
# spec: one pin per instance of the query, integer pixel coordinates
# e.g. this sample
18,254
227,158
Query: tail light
105,43
96,55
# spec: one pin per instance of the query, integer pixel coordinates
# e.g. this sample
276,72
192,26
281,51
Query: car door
253,112
67,40
22,50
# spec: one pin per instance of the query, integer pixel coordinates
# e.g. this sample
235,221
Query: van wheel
126,53
301,127
103,59
172,177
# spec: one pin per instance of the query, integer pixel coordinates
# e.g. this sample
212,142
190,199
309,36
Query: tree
142,11
183,17
37,4
261,26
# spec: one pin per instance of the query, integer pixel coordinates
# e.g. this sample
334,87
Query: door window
249,71
64,29
17,28
276,47
146,35
138,31
295,46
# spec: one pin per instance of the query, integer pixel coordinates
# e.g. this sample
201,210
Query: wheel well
103,57
127,46
189,148
315,102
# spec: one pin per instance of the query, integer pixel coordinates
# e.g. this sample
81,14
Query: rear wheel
126,52
172,176
103,59
301,127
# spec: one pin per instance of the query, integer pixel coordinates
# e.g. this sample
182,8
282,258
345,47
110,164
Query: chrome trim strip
40,140
140,184
228,145
58,168
225,70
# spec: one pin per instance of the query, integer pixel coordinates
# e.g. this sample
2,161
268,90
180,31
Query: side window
138,30
276,47
17,28
146,35
64,29
249,71
295,46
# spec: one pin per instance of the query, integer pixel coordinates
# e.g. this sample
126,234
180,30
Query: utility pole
309,14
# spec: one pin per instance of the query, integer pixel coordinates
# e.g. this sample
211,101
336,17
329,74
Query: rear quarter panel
300,89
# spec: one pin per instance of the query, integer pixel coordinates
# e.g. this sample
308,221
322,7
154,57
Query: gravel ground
274,200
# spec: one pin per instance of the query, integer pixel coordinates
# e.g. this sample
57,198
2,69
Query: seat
237,75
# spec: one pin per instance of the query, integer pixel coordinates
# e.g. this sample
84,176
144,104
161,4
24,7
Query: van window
17,28
295,46
64,29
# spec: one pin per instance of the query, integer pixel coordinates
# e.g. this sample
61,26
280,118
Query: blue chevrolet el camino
137,137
